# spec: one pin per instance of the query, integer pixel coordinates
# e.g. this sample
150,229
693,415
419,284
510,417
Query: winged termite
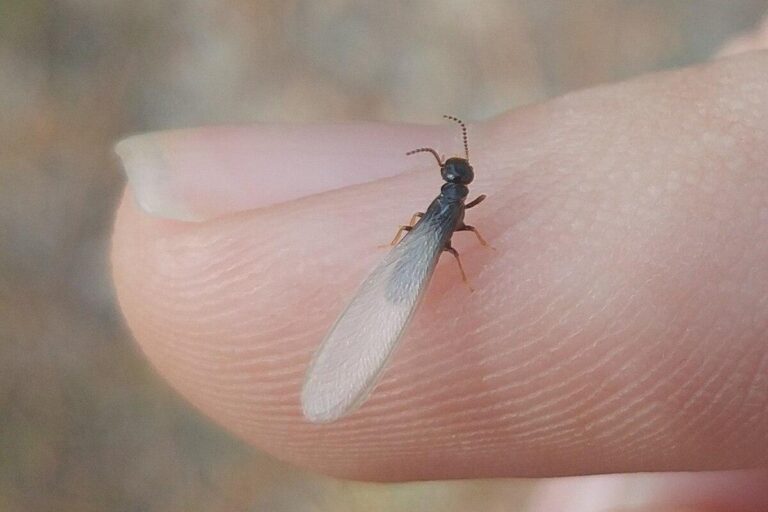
349,361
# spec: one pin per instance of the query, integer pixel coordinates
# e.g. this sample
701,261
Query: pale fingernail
581,494
154,188
196,175
745,491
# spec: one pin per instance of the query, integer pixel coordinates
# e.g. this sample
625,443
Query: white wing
349,361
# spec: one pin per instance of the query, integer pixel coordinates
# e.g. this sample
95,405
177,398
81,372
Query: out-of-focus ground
84,422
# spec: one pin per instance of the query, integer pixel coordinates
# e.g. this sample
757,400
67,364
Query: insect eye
451,171
457,170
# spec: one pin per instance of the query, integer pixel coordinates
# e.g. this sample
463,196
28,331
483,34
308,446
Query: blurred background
84,422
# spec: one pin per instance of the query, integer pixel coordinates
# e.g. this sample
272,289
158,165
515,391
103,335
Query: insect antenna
463,133
427,150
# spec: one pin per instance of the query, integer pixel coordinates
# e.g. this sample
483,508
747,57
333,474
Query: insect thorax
454,191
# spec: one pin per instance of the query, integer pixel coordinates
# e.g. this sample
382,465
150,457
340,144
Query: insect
350,359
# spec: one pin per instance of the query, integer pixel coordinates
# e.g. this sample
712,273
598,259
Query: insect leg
473,229
399,232
410,225
455,253
476,201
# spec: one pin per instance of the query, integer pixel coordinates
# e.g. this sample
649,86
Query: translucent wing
349,361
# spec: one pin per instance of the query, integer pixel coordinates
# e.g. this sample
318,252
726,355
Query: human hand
620,326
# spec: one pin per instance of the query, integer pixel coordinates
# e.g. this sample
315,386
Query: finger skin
620,325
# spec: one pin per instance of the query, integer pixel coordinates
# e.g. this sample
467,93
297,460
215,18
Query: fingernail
198,174
155,188
744,491
580,494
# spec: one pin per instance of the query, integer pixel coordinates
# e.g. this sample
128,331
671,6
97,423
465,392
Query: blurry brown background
84,422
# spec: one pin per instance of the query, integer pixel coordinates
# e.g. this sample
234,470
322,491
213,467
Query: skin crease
620,325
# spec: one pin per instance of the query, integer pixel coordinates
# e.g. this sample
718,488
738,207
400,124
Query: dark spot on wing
415,257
